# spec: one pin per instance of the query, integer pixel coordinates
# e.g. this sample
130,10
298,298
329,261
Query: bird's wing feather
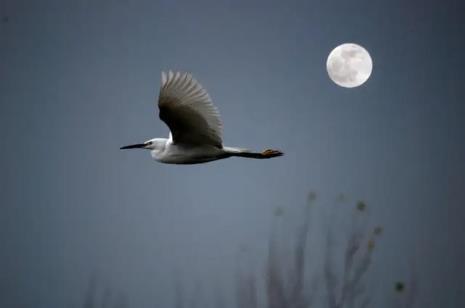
187,109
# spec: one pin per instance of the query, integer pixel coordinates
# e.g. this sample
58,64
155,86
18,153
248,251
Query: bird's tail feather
230,151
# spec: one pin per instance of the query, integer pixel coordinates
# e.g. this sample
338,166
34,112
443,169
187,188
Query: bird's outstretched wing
187,109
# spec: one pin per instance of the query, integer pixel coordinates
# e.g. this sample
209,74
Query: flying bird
195,125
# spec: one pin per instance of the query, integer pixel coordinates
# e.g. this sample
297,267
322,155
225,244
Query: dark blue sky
78,79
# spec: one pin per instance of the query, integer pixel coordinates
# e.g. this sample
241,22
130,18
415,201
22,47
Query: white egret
194,123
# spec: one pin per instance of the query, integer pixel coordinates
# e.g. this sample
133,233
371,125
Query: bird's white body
195,125
165,151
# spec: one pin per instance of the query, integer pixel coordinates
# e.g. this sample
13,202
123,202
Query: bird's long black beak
134,146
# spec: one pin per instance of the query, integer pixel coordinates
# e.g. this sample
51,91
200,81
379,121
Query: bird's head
152,144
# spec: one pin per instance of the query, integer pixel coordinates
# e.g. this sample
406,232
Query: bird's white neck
157,147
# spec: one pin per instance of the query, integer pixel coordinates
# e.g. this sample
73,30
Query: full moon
349,65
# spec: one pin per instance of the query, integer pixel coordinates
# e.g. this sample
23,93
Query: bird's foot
269,153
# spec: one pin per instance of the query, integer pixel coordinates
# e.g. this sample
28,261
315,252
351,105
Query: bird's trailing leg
269,153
